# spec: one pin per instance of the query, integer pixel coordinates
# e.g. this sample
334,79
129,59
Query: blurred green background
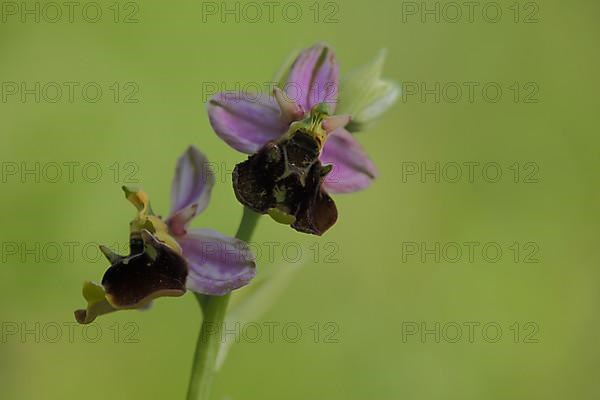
376,291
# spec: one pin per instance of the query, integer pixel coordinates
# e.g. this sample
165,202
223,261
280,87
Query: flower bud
365,96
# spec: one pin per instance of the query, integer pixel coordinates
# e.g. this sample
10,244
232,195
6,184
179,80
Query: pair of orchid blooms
300,152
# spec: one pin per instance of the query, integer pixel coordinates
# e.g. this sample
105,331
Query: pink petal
191,187
314,77
352,168
246,121
218,263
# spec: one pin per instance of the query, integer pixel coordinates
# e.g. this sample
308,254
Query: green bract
364,95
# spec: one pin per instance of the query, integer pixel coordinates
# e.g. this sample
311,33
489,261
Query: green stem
247,225
207,346
209,339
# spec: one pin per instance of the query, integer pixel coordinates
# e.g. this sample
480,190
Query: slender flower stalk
210,336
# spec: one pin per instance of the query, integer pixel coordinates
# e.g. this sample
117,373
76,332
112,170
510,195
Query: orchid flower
166,256
300,151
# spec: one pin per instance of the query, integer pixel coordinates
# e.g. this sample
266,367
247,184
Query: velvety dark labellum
149,272
287,176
